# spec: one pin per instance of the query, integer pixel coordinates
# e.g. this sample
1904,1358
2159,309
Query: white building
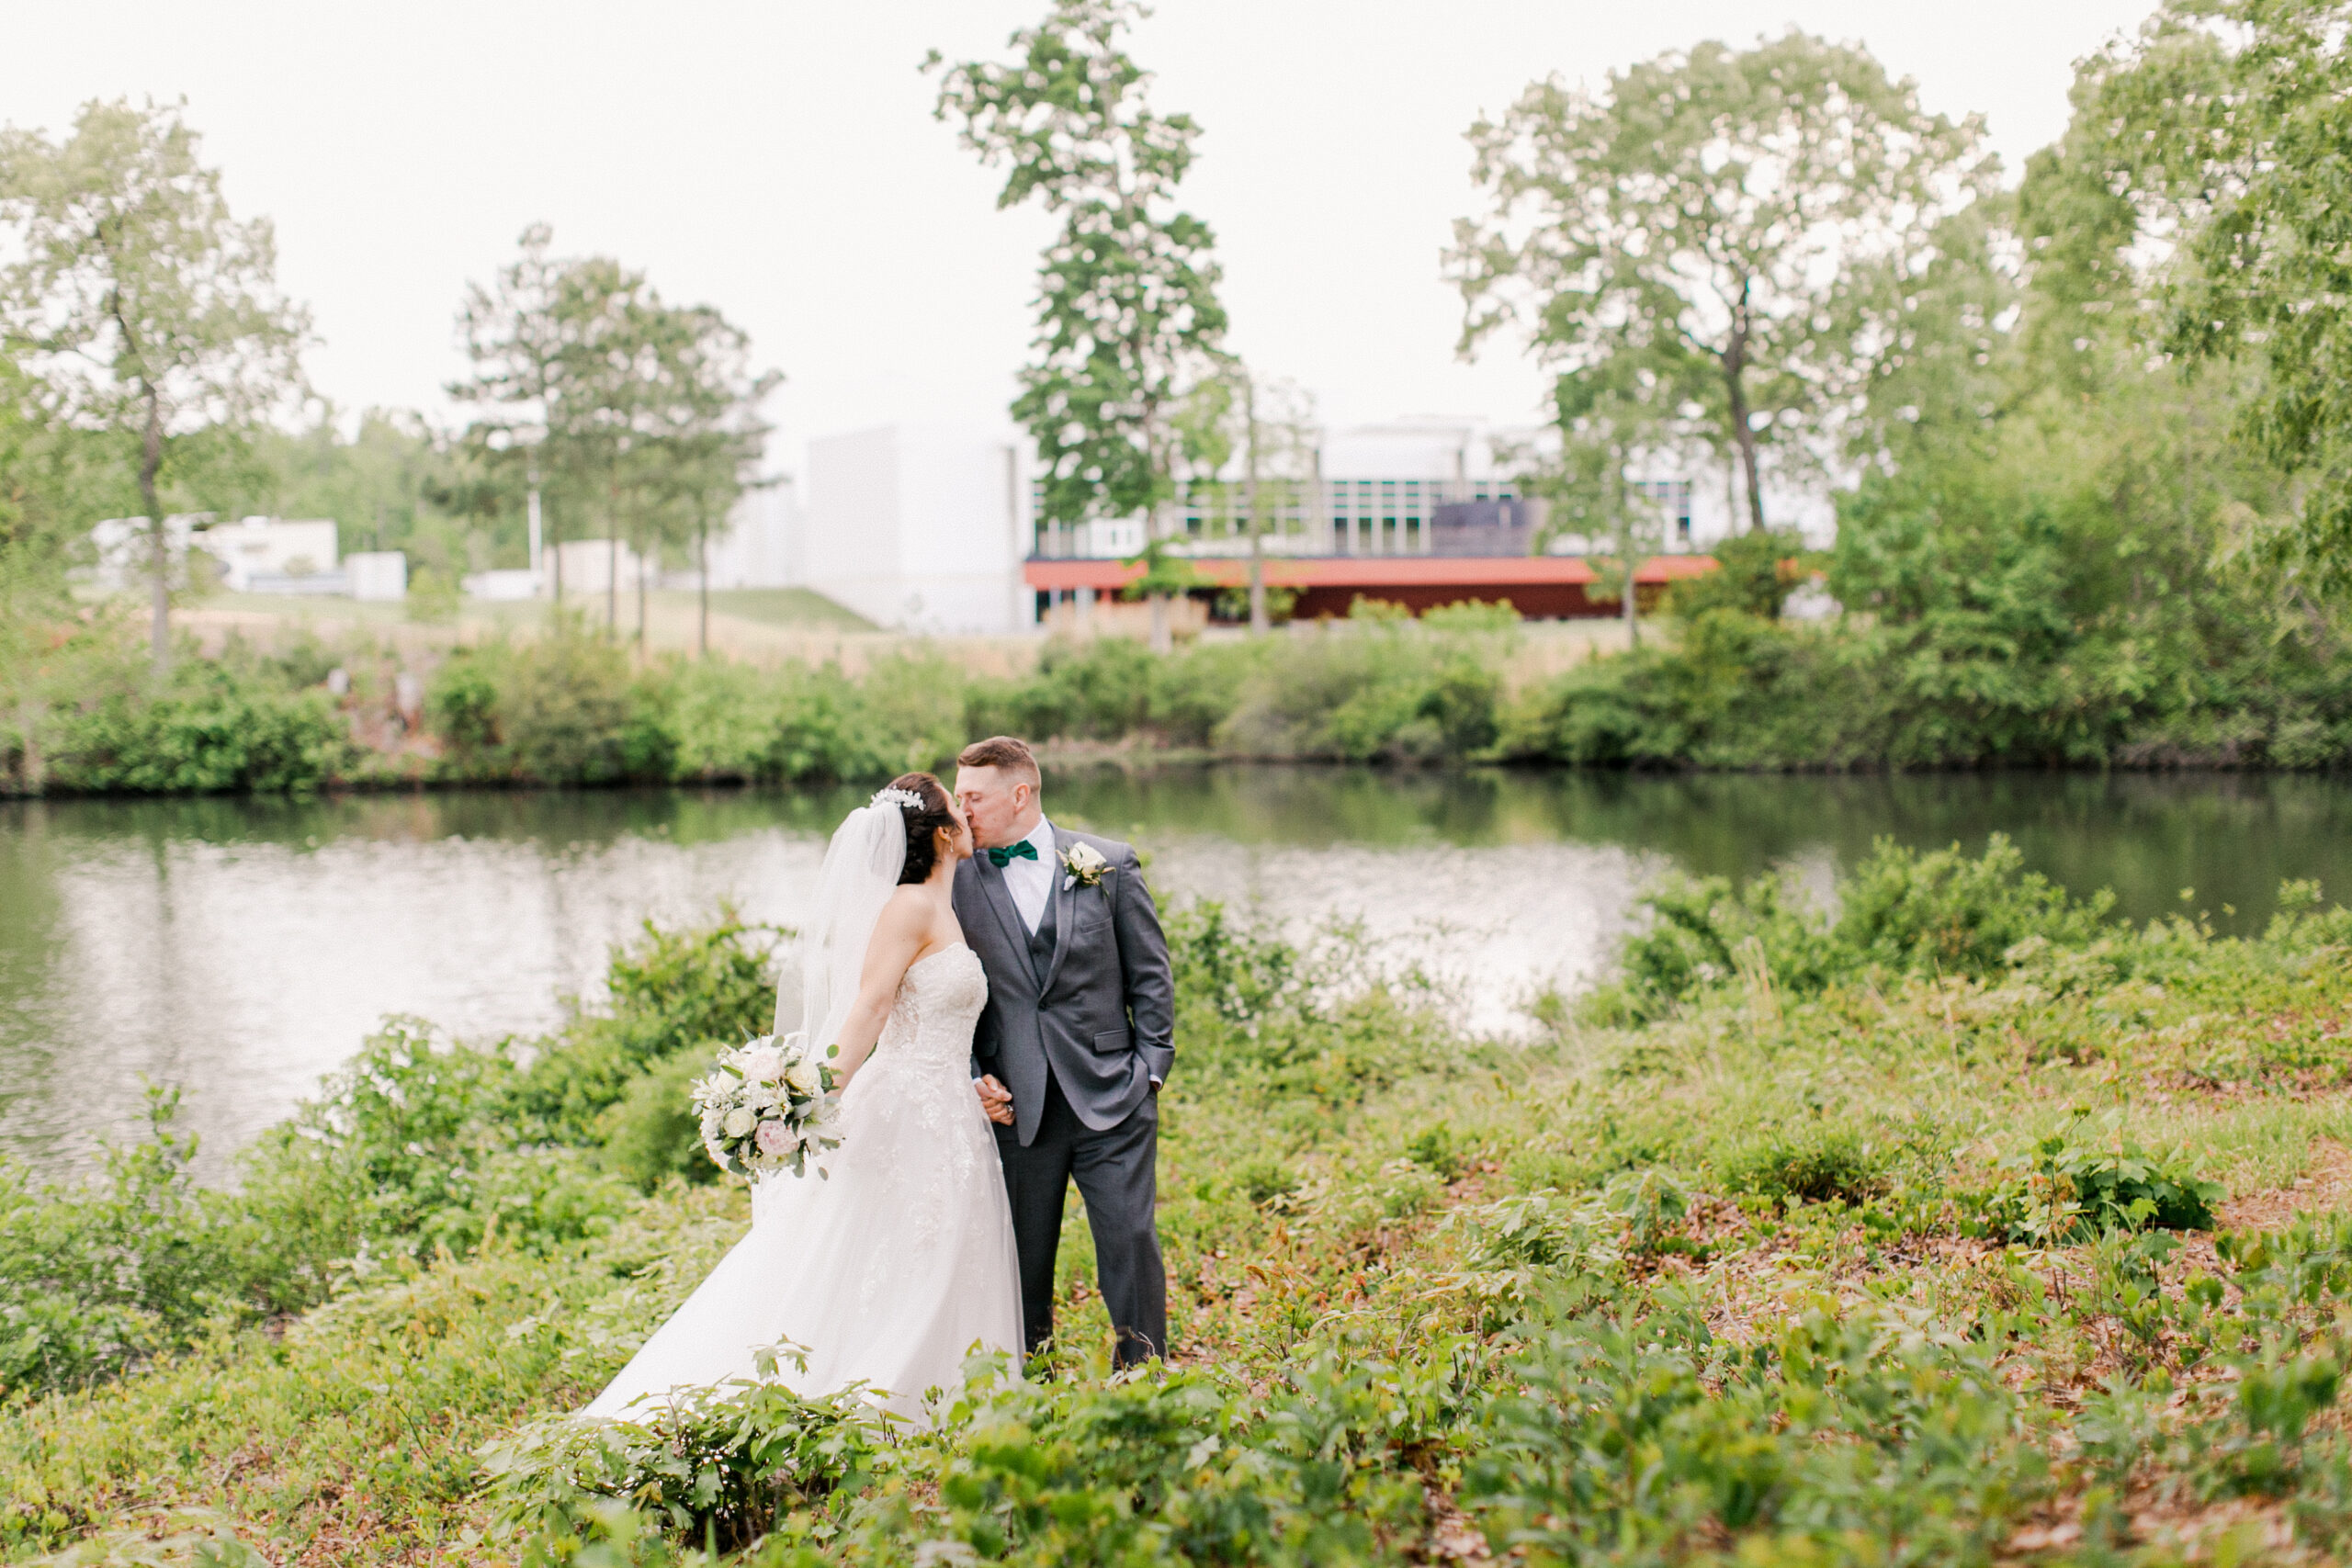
276,555
377,576
585,567
759,546
256,555
920,528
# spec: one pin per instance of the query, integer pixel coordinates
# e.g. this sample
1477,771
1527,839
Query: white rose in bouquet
767,1105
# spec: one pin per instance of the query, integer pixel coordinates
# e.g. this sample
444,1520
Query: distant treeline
1992,677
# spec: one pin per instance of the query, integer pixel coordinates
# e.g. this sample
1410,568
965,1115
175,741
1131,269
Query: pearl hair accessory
901,799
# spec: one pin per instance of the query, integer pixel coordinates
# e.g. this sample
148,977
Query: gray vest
1041,942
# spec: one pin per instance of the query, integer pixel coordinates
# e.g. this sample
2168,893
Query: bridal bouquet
766,1105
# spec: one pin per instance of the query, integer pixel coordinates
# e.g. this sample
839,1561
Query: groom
1076,1041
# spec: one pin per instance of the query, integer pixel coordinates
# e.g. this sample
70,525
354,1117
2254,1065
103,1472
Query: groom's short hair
1000,751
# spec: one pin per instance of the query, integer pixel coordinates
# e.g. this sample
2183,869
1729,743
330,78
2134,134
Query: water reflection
241,948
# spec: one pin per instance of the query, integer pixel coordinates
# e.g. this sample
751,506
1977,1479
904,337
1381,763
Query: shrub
212,729
1942,912
669,992
1901,912
719,1466
95,1277
2069,1190
563,703
651,1133
461,703
1812,1165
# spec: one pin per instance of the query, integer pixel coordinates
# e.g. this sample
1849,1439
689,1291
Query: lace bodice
940,999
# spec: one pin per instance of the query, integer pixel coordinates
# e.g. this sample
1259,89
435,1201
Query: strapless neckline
938,953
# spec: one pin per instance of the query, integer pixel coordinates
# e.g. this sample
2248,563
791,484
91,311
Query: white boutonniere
1086,866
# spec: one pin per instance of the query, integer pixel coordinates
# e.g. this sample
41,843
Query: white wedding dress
891,1272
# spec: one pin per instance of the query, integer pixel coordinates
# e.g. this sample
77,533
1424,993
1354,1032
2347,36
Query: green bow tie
1001,858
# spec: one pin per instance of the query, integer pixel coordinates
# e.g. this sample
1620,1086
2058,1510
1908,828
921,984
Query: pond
240,949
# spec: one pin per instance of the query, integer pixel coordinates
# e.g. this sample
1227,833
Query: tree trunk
640,602
158,552
1628,537
1735,364
1258,620
702,559
612,579
1162,639
34,772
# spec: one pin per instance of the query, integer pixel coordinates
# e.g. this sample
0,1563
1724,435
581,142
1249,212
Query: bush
2069,1190
1901,913
93,1279
1812,1165
652,1133
563,706
718,1466
212,729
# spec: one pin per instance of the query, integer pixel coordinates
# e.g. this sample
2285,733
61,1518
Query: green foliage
1901,913
1812,1163
1383,686
2071,1188
212,727
722,1466
93,1281
1577,1348
1830,1432
564,709
1127,313
418,1147
162,311
1627,228
652,1133
1755,574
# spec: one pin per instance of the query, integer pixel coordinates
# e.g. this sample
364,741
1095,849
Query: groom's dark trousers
1115,1171
1078,1026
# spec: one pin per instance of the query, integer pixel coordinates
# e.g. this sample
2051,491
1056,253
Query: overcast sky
779,160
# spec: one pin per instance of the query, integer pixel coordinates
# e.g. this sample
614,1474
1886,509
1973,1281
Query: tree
1271,423
141,306
1610,421
1742,226
2226,129
1127,313
706,430
530,436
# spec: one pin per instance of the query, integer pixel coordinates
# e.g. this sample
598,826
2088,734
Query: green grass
1792,1270
787,607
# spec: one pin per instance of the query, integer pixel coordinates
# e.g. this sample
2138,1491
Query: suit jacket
1105,1017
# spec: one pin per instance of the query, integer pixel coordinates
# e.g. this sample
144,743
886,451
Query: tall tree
1127,313
529,435
1741,225
1253,443
1611,421
707,432
143,308
2224,134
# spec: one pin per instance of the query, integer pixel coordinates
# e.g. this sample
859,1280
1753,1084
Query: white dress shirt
1030,882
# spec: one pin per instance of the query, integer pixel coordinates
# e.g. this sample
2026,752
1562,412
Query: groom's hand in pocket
995,1098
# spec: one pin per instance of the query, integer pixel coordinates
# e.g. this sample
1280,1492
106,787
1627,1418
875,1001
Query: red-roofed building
1537,587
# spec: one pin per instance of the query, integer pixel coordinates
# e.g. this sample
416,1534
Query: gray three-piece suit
1081,1021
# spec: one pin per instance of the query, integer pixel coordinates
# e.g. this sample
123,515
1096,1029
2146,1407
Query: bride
892,1268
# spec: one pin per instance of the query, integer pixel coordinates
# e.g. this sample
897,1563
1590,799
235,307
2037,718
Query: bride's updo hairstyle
924,823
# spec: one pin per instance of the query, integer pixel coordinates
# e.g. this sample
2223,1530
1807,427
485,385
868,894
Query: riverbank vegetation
1963,1224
